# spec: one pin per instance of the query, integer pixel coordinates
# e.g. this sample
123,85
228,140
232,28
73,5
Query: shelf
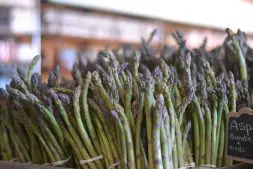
204,13
85,40
71,22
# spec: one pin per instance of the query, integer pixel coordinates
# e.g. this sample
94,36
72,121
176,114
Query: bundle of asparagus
124,112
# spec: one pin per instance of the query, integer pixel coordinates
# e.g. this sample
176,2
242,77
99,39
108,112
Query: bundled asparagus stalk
142,112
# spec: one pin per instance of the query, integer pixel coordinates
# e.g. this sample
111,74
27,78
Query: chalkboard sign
240,135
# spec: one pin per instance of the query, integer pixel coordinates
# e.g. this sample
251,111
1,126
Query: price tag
240,135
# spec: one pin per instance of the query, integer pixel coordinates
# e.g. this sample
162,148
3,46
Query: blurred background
61,30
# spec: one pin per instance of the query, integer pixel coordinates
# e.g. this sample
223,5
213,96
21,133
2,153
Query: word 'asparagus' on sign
245,127
240,135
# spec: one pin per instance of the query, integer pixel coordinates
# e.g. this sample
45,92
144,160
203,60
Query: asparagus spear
208,134
76,149
149,102
164,147
102,119
221,145
54,77
104,142
239,56
82,131
31,69
138,131
22,152
48,115
87,117
128,136
219,118
123,140
128,98
215,109
74,134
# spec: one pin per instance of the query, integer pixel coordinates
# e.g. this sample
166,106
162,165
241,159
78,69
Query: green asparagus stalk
135,72
53,140
103,93
31,69
123,140
82,131
6,149
18,151
21,133
18,144
172,114
128,136
50,146
48,115
42,140
179,142
232,93
164,147
21,75
232,97
208,134
221,145
185,134
54,77
104,142
76,149
196,138
138,132
239,56
22,117
157,151
215,110
168,136
87,117
107,163
102,119
226,160
149,102
128,98
74,134
218,139
35,146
